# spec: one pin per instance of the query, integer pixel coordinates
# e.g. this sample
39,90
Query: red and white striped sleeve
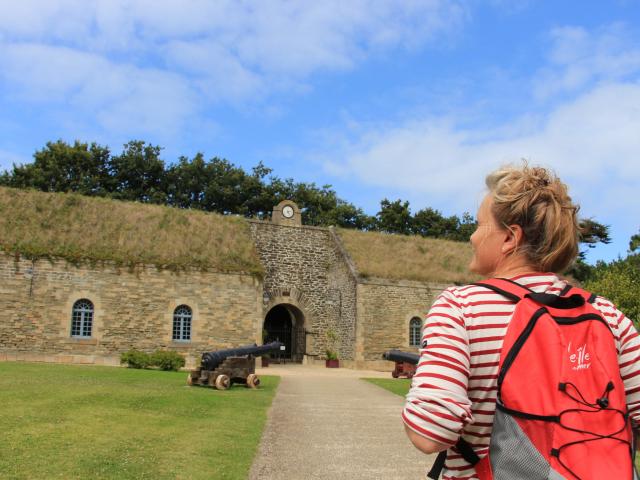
437,405
628,344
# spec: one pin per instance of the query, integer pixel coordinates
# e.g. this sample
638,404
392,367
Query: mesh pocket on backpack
512,455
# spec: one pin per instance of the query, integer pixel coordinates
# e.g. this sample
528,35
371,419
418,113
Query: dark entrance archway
285,323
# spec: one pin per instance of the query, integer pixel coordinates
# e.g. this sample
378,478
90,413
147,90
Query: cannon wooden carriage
223,368
406,363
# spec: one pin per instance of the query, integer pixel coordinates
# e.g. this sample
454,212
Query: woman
527,232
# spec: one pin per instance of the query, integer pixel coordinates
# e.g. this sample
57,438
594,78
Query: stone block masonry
132,309
306,263
385,309
306,270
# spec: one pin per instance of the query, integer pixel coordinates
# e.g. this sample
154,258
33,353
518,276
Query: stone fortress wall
132,309
385,310
305,268
306,271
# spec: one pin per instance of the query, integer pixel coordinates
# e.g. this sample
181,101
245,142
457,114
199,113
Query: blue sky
415,100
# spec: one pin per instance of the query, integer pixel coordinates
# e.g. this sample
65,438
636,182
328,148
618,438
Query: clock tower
286,213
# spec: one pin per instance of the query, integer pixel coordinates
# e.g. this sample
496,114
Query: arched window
82,318
415,327
182,323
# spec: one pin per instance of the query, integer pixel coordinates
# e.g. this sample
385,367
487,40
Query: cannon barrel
210,360
400,356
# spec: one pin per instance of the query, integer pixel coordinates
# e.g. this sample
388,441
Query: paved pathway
329,424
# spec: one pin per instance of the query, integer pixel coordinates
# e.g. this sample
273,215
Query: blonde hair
535,199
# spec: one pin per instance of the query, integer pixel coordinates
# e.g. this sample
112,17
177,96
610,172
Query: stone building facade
311,298
130,309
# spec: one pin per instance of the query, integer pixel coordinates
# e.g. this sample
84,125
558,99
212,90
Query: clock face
287,211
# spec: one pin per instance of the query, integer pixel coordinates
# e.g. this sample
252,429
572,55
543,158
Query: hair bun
539,177
537,200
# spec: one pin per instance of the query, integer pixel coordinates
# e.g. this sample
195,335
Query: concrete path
329,424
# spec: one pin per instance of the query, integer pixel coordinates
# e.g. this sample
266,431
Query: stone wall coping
386,282
275,225
115,265
345,255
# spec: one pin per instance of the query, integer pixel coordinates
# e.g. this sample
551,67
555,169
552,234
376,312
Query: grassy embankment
77,422
404,257
399,386
78,228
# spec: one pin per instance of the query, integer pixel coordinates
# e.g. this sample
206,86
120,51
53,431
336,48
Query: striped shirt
454,389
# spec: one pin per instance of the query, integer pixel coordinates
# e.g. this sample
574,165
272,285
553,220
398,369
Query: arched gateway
285,323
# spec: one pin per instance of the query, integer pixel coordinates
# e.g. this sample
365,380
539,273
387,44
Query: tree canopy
619,281
139,173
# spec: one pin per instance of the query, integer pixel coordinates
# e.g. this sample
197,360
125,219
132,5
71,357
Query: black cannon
222,368
406,362
210,360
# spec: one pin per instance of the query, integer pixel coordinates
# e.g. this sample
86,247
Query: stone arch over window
82,318
182,317
415,331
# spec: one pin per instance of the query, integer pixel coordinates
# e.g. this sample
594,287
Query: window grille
182,323
82,318
415,331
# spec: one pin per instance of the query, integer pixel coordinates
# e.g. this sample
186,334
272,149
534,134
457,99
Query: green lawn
399,386
62,421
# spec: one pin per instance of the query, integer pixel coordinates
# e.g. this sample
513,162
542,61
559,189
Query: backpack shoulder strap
505,287
465,449
516,292
570,289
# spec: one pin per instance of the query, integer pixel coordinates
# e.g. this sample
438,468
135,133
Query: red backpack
560,409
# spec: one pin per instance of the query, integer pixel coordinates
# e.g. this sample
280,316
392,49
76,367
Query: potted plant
332,360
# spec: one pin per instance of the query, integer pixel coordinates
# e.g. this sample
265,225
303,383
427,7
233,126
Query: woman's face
487,241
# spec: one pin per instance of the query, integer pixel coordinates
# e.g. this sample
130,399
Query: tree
394,217
634,243
591,233
217,185
431,223
321,206
428,223
138,173
619,281
468,225
60,167
186,183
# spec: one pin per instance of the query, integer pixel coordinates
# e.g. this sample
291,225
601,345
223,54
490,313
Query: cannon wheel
252,380
222,382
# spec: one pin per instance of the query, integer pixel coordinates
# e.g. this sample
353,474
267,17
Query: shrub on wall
163,359
135,359
167,360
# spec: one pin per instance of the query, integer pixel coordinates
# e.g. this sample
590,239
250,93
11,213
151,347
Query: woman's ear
513,239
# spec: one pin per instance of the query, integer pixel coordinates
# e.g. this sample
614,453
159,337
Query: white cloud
120,97
141,64
592,142
266,38
579,57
